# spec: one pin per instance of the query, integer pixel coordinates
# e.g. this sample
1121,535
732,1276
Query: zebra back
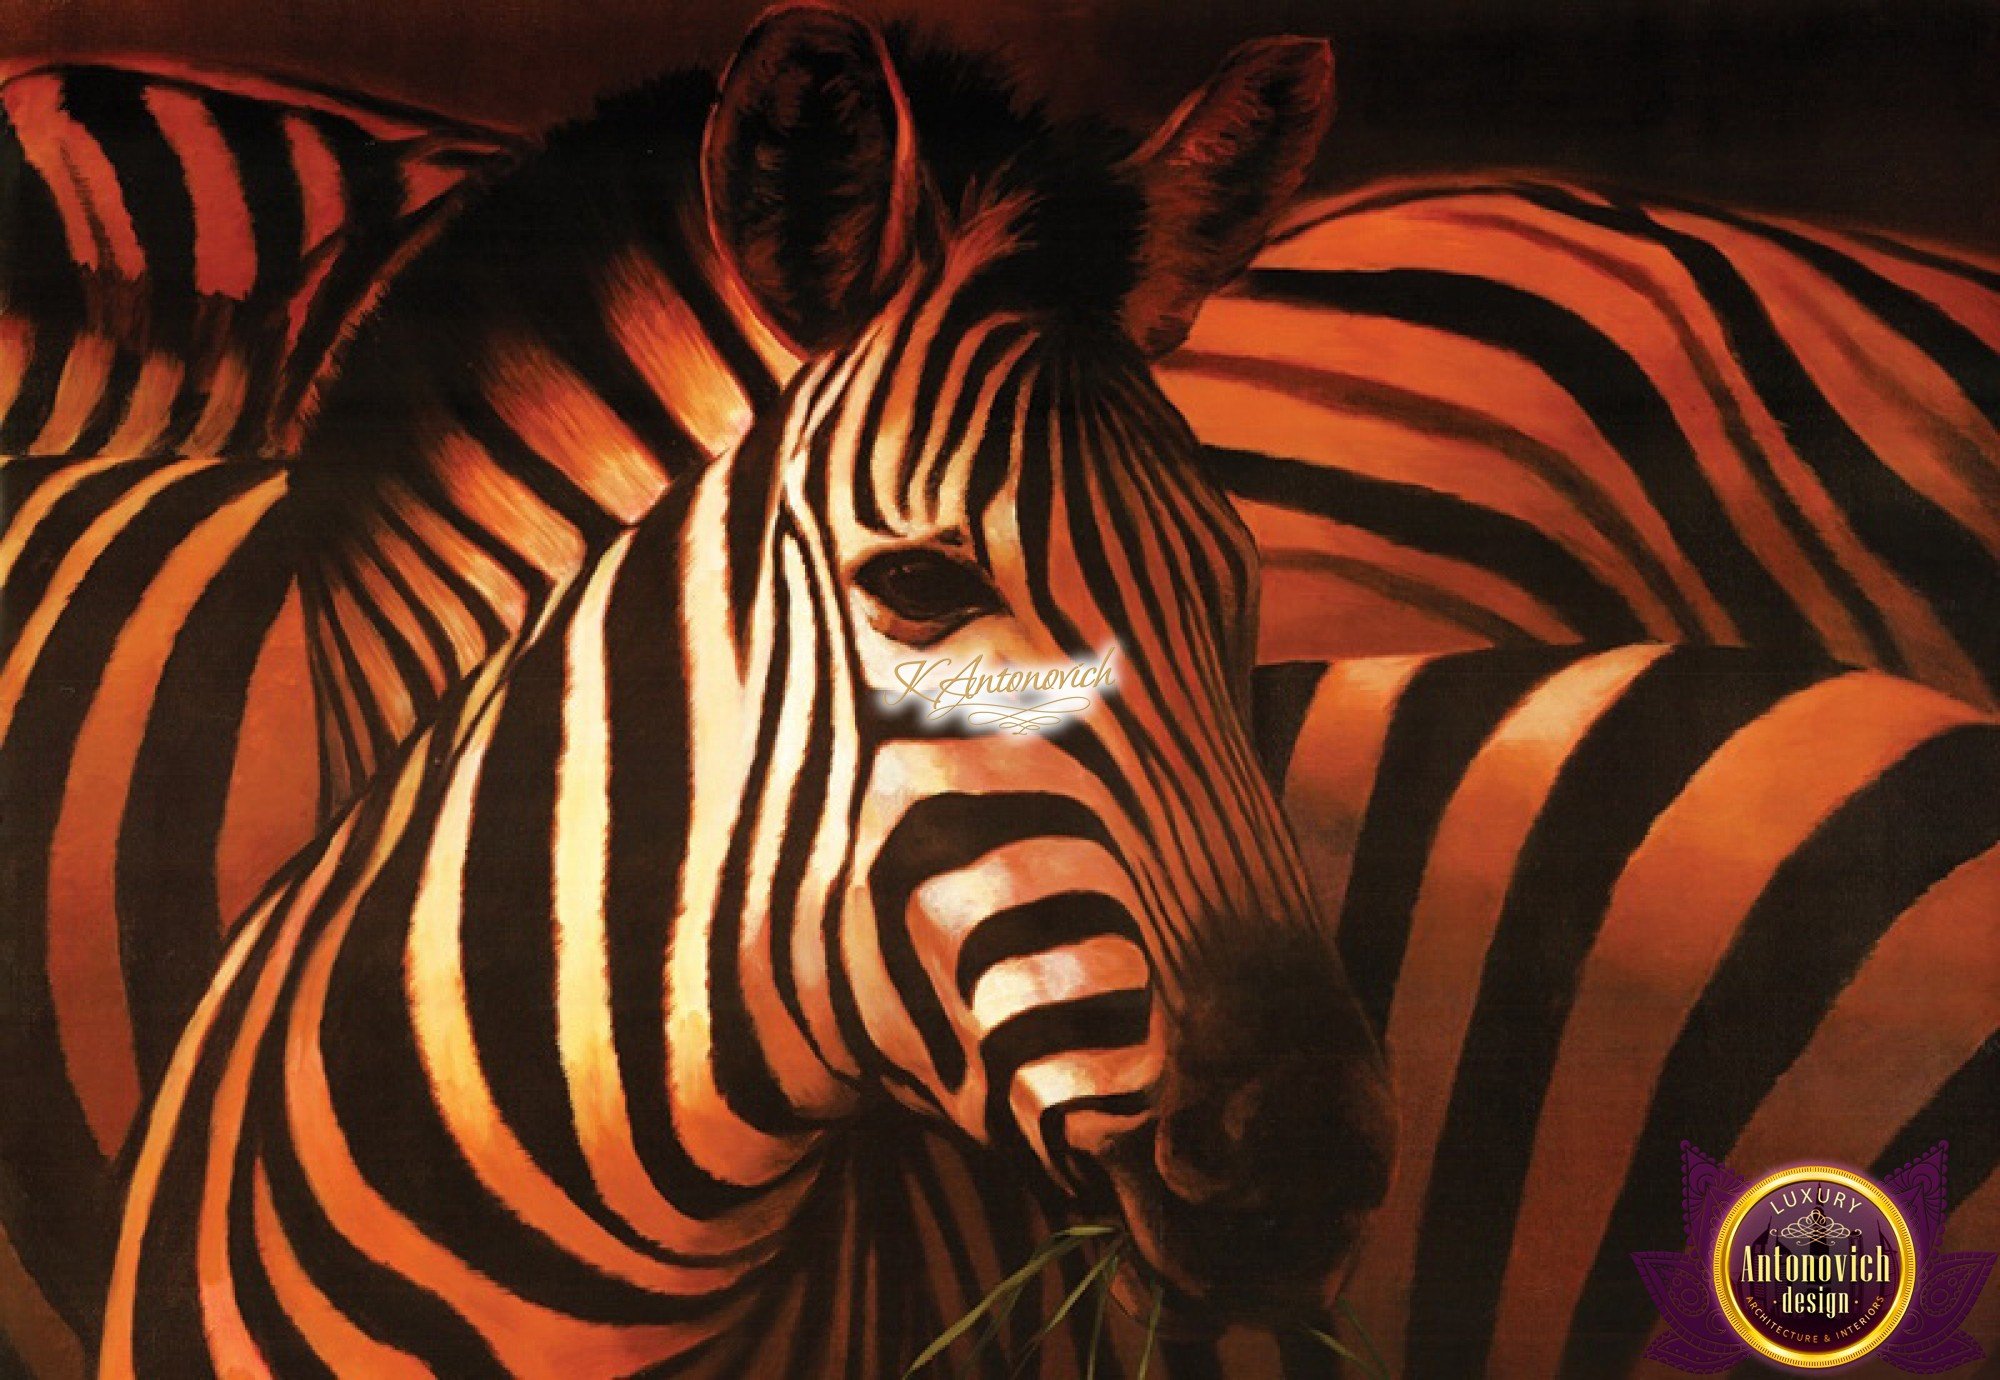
1494,411
1601,903
184,248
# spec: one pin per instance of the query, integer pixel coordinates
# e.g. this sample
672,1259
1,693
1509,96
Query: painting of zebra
482,895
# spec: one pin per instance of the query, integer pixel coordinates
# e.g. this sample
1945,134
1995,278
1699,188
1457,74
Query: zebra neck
425,1073
527,387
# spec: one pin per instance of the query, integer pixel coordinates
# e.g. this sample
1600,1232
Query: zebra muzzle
1272,1143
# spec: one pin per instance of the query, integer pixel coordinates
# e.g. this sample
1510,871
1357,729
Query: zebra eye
925,593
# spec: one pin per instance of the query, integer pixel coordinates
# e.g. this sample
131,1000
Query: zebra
396,618
762,903
190,244
1493,409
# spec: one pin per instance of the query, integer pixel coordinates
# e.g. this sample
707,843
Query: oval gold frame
1906,1283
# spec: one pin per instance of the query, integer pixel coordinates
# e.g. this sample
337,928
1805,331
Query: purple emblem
1699,1338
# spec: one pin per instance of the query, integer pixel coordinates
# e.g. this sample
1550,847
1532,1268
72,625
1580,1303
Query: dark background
1878,111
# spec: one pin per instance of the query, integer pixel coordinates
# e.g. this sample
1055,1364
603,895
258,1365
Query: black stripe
1757,343
1443,717
1957,351
254,132
111,105
647,848
743,1074
1282,695
170,923
410,673
1630,765
384,1101
55,536
56,1203
380,1302
1422,519
473,410
1607,383
1963,269
1815,923
114,401
373,192
1106,1020
508,941
941,834
1040,926
168,1340
41,286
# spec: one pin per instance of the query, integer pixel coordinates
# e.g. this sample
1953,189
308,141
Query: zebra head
1093,944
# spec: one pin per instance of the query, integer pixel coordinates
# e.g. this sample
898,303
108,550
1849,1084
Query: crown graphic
1816,1226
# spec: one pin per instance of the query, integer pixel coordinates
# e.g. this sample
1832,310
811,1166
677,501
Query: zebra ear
815,190
1217,174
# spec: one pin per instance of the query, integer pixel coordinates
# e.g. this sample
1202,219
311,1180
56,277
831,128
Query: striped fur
1489,411
731,914
1600,903
187,246
529,387
431,1114
153,685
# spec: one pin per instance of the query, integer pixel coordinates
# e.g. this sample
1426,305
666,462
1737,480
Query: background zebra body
1502,411
1600,903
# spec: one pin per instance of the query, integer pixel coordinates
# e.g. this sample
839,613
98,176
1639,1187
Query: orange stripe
568,425
447,608
345,1348
1415,405
1897,397
382,685
528,1339
71,573
77,394
22,522
1297,629
226,388
505,507
1452,925
149,408
653,324
1334,761
320,186
1898,1024
225,250
499,591
272,806
1676,908
86,982
78,175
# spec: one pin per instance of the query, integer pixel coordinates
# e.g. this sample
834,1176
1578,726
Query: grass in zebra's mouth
989,1315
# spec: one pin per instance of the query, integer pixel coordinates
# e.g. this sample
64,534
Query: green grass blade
1090,1277
1152,1335
1097,1323
1381,1364
1055,1248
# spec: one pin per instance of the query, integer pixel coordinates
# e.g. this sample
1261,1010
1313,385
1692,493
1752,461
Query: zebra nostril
1201,1149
